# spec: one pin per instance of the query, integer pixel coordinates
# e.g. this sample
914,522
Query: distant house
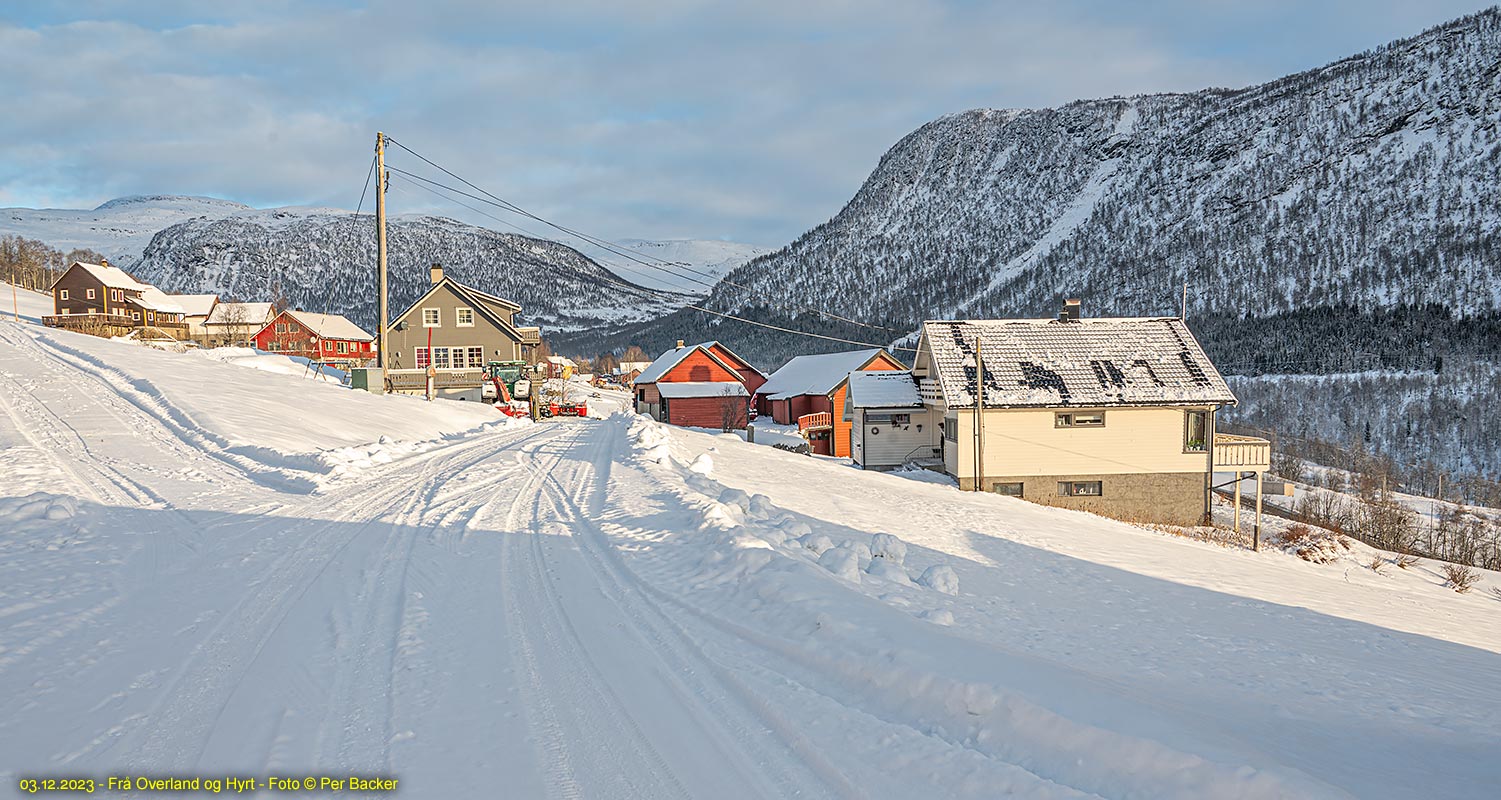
196,309
232,324
701,385
889,424
561,367
105,300
817,384
328,338
1114,416
454,330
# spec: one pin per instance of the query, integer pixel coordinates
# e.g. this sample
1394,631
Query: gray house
453,330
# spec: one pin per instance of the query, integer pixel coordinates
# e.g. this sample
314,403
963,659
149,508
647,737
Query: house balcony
415,380
819,421
1236,453
88,321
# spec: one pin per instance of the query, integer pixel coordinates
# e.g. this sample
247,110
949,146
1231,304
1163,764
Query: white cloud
690,119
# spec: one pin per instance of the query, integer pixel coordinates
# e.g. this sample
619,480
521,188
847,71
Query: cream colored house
1113,416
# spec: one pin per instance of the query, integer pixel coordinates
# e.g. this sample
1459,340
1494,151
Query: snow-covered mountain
1364,184
323,260
692,266
120,228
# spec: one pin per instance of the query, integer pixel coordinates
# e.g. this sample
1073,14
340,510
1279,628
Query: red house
818,384
329,338
701,386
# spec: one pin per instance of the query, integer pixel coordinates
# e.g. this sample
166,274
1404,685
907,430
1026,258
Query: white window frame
422,358
432,317
442,358
92,296
476,359
62,294
343,347
459,315
1070,419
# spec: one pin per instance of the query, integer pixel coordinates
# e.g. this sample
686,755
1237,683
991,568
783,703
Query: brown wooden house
107,301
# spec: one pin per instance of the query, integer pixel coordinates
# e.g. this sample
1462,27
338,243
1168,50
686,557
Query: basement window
1079,419
1008,489
1079,488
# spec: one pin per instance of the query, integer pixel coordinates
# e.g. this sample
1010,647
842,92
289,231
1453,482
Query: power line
580,273
612,247
366,187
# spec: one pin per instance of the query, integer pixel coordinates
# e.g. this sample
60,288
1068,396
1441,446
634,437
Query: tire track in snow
177,729
738,713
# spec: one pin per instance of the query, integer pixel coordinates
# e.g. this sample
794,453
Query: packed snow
212,570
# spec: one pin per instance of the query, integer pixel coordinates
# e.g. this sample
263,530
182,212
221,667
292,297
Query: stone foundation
1167,498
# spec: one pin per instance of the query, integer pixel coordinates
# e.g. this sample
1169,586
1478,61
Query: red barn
701,386
329,338
818,384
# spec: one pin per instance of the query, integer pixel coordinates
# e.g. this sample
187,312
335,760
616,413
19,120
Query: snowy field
211,570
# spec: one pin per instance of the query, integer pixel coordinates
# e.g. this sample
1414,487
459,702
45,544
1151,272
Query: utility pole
380,244
979,416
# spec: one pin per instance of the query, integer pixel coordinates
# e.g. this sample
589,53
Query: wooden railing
817,421
416,379
87,320
1232,451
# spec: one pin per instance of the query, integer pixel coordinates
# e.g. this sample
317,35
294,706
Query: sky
750,122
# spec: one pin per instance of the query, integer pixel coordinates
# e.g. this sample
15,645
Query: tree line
33,264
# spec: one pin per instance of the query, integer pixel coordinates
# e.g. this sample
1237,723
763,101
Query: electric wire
673,295
613,248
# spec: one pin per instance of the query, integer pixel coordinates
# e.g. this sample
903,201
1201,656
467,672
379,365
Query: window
464,317
62,294
114,294
951,428
440,358
476,358
281,327
431,318
67,311
91,294
1196,432
1079,488
1008,489
343,347
135,314
1080,419
422,358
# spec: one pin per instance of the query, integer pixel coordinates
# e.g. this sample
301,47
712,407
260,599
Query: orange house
700,386
819,384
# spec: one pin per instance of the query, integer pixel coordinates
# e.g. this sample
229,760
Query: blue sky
672,119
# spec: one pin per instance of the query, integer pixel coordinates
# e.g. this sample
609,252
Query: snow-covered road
212,570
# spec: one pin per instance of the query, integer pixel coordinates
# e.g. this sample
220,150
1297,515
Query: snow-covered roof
113,277
816,374
253,314
156,300
195,305
884,389
1088,362
562,361
330,326
675,356
674,389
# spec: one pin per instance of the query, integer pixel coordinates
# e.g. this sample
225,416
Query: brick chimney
436,271
1070,311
